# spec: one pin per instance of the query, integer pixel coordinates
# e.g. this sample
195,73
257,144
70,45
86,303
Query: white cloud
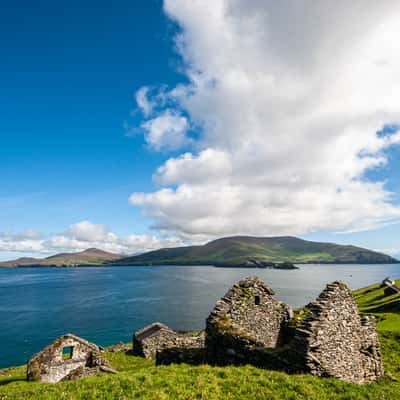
21,245
29,234
81,236
167,131
143,102
208,166
87,231
289,97
394,252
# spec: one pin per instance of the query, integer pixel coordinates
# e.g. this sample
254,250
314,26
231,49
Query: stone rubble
119,347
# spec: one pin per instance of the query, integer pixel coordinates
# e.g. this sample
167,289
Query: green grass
141,379
386,309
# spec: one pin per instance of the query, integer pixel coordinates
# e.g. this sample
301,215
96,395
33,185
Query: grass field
141,379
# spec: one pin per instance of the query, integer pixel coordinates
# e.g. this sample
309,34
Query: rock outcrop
68,358
119,347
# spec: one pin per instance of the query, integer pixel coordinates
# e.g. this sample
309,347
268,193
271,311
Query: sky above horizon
135,125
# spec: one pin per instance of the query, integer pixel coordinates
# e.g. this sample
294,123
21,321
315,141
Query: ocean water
106,305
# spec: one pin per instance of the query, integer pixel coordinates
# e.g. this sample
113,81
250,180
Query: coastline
189,264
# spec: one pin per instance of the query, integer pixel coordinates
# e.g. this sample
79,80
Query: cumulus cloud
81,236
208,165
29,240
291,99
166,131
87,231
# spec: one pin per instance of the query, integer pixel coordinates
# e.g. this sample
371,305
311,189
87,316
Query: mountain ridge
237,250
227,251
91,256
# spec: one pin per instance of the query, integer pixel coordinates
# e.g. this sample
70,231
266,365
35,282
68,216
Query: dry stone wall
51,365
334,341
158,337
246,318
248,326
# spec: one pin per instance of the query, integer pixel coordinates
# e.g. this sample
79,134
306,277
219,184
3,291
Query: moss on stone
223,324
34,372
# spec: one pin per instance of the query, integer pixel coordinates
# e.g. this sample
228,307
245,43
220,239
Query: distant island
245,250
88,257
239,251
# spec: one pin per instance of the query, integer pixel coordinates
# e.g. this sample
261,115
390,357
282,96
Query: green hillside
141,379
231,251
238,250
386,309
86,257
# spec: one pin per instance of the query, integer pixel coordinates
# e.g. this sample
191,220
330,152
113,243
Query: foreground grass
141,379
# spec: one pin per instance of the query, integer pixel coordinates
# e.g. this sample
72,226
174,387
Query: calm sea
106,305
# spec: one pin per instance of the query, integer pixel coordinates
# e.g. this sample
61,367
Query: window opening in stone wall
257,300
67,352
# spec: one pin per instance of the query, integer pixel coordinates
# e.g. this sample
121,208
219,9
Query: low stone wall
390,287
178,355
390,290
157,337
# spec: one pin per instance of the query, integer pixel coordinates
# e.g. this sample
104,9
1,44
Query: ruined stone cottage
154,339
68,358
245,319
330,339
248,326
333,340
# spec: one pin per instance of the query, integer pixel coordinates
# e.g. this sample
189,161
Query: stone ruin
245,319
68,358
390,287
167,346
332,340
327,338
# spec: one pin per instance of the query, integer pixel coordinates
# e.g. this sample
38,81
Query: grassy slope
239,249
141,379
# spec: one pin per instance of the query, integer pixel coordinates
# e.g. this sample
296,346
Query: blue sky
69,75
